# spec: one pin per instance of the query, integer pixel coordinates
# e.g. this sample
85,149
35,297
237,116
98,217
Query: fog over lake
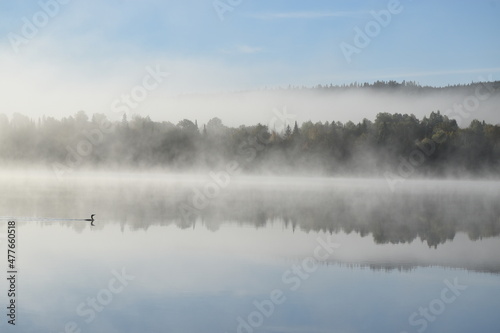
231,166
213,263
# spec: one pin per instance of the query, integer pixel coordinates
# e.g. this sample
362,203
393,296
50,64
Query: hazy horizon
61,57
279,106
250,166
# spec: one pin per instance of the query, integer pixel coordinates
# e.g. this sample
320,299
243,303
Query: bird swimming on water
91,219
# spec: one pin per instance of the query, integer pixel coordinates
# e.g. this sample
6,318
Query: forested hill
399,144
410,87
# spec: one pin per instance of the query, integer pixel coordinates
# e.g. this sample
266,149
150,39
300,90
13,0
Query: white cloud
44,80
248,49
242,49
303,15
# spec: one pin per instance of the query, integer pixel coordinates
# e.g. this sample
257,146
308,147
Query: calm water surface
261,255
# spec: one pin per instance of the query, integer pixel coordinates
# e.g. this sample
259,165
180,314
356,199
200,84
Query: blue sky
93,50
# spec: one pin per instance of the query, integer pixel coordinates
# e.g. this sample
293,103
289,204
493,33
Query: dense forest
397,144
409,87
434,145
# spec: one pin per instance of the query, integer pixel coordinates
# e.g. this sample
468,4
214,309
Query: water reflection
197,280
432,211
202,273
447,215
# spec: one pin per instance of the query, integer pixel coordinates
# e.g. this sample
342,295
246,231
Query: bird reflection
91,219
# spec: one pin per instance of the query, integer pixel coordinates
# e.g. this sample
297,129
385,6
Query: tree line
434,145
391,86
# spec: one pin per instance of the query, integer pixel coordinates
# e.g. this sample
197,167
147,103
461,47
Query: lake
183,253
